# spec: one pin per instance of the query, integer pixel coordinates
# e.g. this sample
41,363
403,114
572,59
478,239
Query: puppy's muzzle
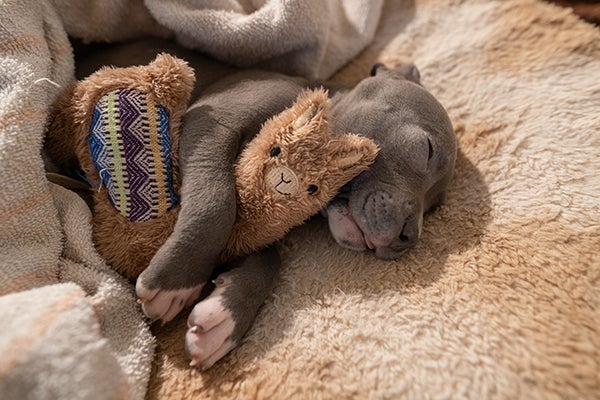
390,222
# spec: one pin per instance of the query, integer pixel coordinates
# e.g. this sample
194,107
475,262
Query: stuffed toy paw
120,127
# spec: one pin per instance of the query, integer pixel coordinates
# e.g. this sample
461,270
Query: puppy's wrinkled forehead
381,105
408,123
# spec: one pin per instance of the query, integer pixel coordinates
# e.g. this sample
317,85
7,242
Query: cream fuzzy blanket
500,299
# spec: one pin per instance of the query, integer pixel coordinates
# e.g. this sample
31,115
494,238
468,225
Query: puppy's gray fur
382,209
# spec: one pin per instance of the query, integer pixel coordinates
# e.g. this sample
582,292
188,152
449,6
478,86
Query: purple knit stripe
132,112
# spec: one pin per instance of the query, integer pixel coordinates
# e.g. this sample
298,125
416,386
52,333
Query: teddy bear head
294,167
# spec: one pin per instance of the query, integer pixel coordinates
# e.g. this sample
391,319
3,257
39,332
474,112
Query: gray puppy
382,209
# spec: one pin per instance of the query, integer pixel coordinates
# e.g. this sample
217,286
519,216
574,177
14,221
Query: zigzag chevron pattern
130,146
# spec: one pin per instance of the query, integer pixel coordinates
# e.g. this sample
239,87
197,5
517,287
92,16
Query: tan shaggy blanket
500,298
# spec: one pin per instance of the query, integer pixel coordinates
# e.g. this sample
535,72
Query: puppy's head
382,209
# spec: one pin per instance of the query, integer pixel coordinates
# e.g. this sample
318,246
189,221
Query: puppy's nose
410,232
391,221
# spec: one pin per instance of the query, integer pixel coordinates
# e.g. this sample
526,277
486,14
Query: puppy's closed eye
430,147
420,151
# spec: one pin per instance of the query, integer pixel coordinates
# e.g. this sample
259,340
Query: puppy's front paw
211,328
165,304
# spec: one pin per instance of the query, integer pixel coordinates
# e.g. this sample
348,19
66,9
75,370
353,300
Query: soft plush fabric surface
501,297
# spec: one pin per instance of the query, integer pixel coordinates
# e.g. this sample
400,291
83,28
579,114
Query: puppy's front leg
184,263
217,323
227,115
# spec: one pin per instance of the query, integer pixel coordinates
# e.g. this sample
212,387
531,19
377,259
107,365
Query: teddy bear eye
312,189
275,151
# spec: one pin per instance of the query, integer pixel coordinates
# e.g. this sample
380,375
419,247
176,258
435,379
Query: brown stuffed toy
120,127
105,123
291,170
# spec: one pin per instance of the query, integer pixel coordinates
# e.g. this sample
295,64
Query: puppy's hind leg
218,323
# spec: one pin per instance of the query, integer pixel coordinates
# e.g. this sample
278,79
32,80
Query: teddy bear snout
282,180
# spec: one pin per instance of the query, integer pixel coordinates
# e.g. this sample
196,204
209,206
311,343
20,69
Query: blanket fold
53,348
84,338
307,38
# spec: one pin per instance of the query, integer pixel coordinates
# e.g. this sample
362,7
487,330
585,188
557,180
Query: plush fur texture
500,297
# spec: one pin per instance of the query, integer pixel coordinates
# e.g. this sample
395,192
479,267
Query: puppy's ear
378,68
409,72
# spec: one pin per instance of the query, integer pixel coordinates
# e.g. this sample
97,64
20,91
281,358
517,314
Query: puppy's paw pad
211,327
165,304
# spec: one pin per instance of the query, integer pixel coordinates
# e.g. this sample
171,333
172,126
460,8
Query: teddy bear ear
350,151
310,113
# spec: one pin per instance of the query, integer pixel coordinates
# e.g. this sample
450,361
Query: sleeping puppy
382,209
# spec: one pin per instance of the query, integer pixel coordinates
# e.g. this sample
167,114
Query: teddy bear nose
282,180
